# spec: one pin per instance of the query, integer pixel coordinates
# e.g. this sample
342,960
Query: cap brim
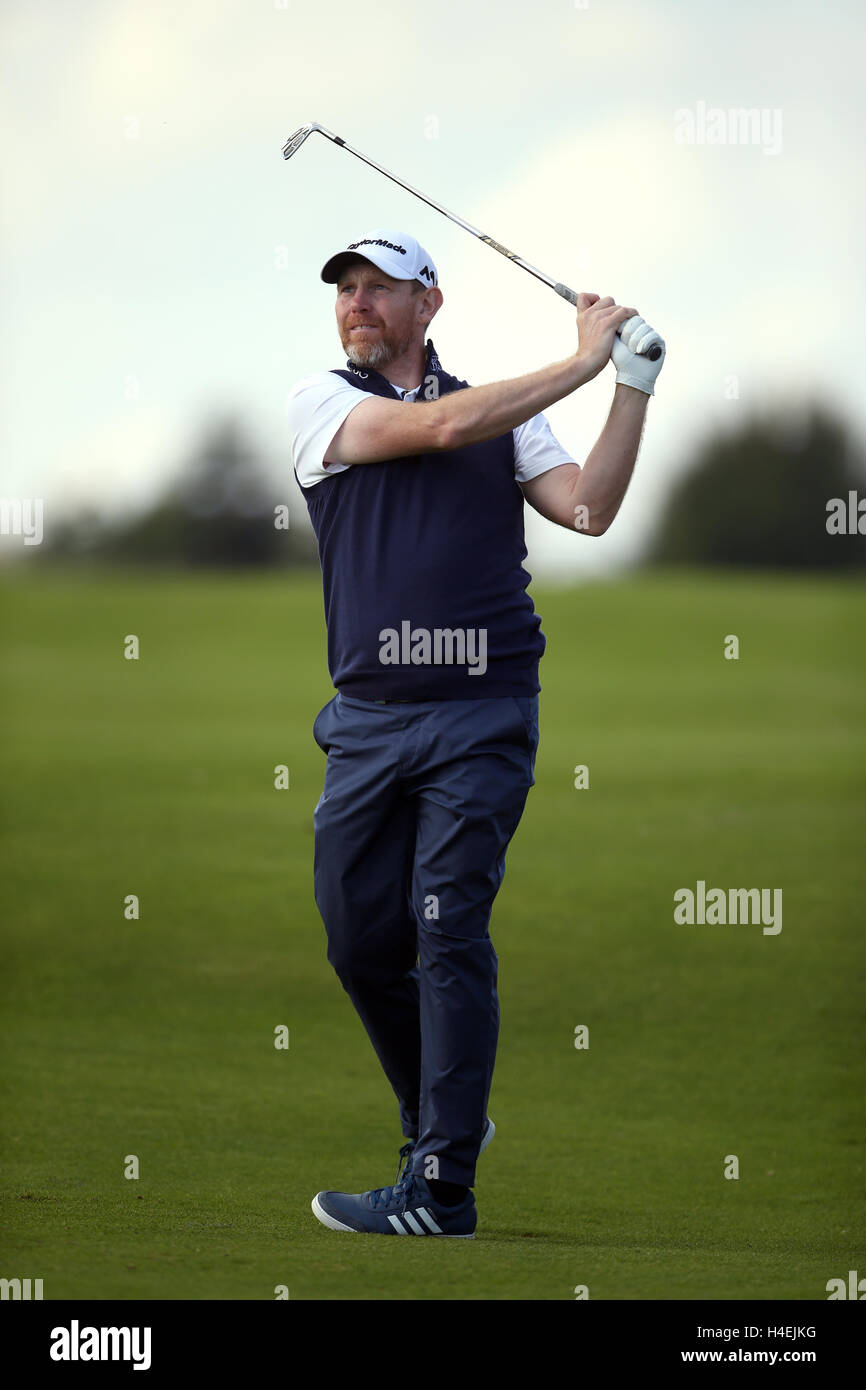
332,268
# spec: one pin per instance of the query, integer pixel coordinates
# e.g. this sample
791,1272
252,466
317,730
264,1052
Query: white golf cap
397,253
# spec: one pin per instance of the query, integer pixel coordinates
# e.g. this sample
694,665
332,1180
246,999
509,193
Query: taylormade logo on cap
368,241
396,253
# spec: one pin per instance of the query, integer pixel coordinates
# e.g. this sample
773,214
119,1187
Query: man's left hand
633,368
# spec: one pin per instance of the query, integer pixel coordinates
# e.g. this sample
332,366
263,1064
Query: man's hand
597,323
633,368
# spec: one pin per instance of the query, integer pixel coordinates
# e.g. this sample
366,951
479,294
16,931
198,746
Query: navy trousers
419,804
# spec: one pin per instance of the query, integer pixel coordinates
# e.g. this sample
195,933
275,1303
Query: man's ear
432,304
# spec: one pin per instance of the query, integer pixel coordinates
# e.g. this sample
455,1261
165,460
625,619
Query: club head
295,141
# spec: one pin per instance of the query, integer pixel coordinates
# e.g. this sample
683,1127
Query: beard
379,353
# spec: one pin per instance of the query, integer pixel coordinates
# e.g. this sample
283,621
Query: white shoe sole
331,1221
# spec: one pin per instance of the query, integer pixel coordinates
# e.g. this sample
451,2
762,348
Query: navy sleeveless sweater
424,585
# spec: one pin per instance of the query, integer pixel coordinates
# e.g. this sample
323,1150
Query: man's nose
360,299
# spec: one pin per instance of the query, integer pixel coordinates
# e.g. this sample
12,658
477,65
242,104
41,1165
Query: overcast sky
161,259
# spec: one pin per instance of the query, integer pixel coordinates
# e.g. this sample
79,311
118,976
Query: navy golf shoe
406,1209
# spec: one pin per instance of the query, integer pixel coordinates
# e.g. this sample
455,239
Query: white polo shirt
318,404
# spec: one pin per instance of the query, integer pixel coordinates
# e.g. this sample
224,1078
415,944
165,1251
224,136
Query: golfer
415,485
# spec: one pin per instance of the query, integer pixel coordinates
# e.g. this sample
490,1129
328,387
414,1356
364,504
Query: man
415,485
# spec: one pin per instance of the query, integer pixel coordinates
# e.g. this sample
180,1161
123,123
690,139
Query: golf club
294,143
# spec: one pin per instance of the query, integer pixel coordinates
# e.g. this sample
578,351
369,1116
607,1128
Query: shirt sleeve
536,449
316,407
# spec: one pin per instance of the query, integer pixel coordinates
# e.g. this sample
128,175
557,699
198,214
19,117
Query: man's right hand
597,323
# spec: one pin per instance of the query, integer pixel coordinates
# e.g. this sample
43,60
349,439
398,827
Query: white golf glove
632,369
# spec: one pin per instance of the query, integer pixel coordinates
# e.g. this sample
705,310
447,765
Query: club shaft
653,353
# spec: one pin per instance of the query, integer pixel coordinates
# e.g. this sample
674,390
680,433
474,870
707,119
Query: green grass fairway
155,1037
